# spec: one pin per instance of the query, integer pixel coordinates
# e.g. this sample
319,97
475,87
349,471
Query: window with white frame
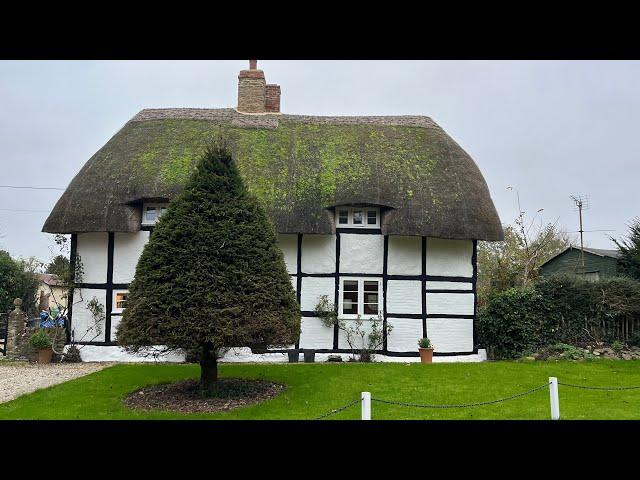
358,217
360,296
151,212
120,300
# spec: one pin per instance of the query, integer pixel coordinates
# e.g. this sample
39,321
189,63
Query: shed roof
298,166
601,252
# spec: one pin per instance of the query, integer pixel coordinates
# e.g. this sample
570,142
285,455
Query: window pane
358,217
121,300
343,217
350,285
370,297
162,210
370,308
372,217
350,302
150,214
370,286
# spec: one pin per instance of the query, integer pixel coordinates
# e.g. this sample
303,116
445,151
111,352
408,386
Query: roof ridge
195,113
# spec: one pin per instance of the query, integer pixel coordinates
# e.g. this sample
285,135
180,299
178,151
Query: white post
555,401
366,405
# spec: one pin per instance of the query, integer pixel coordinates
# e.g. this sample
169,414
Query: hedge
560,309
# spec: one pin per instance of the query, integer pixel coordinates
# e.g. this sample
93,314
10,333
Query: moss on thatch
297,166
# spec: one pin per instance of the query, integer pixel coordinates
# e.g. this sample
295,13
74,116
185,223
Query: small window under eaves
151,212
357,217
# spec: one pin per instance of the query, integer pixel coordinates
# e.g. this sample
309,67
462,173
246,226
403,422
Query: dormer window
151,212
358,217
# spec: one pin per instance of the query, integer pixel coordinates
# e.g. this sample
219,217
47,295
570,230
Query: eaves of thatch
298,166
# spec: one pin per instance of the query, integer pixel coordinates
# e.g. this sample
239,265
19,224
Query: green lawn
313,389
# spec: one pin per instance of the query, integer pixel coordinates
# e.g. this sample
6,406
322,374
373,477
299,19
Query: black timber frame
109,287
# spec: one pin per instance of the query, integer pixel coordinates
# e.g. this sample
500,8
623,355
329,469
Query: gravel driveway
18,378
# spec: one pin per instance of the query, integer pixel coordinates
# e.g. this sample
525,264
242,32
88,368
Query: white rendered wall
357,340
450,303
94,353
115,321
289,245
103,353
430,285
450,334
405,334
361,253
405,255
404,296
318,254
314,334
92,249
82,318
449,258
312,288
127,248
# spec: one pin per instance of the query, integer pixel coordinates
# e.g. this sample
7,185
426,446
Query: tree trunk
208,369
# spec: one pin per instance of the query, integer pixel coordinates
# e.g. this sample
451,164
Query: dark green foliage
72,355
509,324
59,266
560,309
16,281
212,275
629,248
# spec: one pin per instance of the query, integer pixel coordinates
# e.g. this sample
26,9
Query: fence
554,400
4,326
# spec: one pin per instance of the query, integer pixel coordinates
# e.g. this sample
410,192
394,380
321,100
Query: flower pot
309,356
44,355
294,355
426,355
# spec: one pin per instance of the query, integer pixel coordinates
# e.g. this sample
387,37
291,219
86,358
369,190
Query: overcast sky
547,129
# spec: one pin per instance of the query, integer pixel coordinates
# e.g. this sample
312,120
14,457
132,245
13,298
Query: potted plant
41,342
426,350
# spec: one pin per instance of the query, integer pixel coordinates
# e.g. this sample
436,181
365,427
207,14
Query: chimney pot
253,64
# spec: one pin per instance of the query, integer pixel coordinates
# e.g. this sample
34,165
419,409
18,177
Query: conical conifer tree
629,248
212,275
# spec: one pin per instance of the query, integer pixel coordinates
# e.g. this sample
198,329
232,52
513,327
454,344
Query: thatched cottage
381,214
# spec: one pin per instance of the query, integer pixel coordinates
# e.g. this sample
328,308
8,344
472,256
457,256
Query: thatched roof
298,166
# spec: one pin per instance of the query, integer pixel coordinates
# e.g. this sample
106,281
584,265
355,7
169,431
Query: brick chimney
254,95
272,98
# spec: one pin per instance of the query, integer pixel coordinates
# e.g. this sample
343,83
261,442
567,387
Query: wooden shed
598,263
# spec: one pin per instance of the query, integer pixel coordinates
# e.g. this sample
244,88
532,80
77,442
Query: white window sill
366,317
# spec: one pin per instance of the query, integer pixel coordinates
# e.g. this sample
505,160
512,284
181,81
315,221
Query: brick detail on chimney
272,98
251,91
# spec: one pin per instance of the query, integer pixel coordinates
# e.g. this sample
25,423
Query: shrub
212,275
361,340
40,340
634,339
17,281
424,342
560,310
72,355
509,324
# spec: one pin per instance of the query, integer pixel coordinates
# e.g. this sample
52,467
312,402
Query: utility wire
30,188
23,211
